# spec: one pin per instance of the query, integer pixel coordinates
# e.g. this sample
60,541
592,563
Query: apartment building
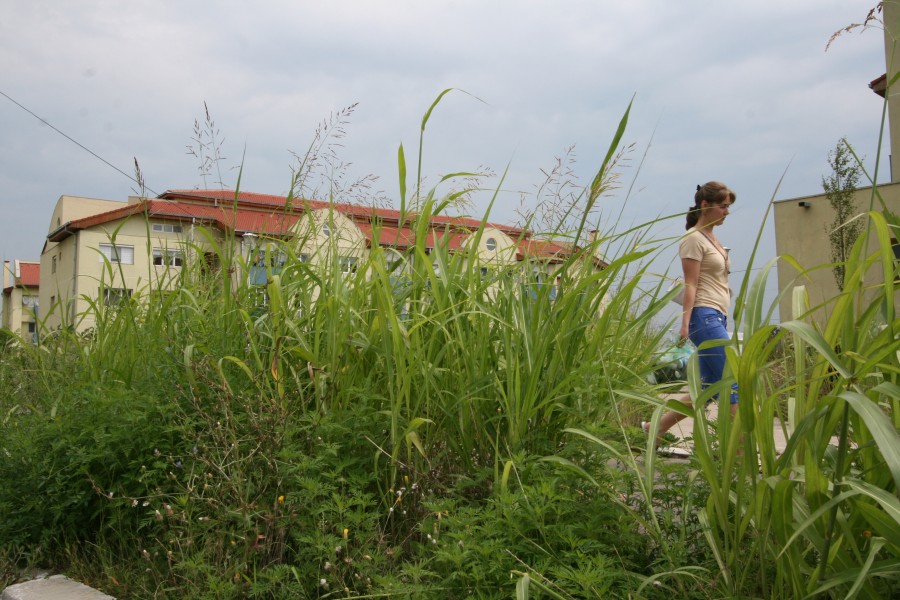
107,249
21,279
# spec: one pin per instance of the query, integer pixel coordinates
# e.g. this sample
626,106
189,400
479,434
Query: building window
277,260
166,228
117,254
115,295
326,230
491,244
167,258
348,264
53,264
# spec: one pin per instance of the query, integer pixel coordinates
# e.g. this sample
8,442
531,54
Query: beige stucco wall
18,304
81,271
802,233
495,247
324,234
891,18
72,208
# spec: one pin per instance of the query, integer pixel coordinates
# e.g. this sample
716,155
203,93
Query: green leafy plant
840,187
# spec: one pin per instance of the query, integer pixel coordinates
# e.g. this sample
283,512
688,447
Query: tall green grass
407,429
208,434
821,518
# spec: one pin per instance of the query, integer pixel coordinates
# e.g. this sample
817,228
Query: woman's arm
691,269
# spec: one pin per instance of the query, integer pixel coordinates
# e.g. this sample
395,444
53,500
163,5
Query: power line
76,142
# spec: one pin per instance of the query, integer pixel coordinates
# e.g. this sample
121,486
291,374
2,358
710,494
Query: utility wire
76,142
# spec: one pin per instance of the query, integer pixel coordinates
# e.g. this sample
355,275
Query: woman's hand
684,334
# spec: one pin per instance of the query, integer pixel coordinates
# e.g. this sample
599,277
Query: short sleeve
691,246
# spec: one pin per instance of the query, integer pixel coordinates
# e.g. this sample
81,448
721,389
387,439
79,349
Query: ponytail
712,192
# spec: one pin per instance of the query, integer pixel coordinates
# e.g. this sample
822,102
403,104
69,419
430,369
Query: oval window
326,230
491,244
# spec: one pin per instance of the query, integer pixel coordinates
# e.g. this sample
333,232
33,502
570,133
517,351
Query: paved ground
684,431
57,587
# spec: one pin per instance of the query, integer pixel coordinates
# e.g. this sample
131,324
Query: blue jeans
710,324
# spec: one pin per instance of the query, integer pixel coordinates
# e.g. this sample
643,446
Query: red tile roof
406,237
277,216
350,210
879,85
30,274
25,274
533,247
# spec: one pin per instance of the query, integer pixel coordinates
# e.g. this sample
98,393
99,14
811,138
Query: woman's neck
706,226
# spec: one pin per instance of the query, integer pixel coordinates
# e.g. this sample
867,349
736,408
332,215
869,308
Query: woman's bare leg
669,419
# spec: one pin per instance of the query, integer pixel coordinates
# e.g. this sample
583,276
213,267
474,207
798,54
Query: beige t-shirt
712,288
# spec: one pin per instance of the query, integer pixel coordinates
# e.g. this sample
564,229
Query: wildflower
157,515
145,554
346,531
327,566
177,464
323,583
867,533
280,499
169,510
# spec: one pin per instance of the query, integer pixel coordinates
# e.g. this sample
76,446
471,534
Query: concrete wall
891,18
801,232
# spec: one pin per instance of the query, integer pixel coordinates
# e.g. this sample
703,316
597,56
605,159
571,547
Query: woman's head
711,193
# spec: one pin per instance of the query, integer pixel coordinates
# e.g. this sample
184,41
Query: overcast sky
739,91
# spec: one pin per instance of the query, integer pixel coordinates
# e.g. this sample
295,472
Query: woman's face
716,212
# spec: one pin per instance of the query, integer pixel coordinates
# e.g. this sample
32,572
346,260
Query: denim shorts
710,324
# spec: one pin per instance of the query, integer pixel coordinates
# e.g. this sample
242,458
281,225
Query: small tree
839,188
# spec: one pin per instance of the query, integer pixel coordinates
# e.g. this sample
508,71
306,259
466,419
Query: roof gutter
61,233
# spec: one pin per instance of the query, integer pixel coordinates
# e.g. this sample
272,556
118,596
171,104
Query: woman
705,263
